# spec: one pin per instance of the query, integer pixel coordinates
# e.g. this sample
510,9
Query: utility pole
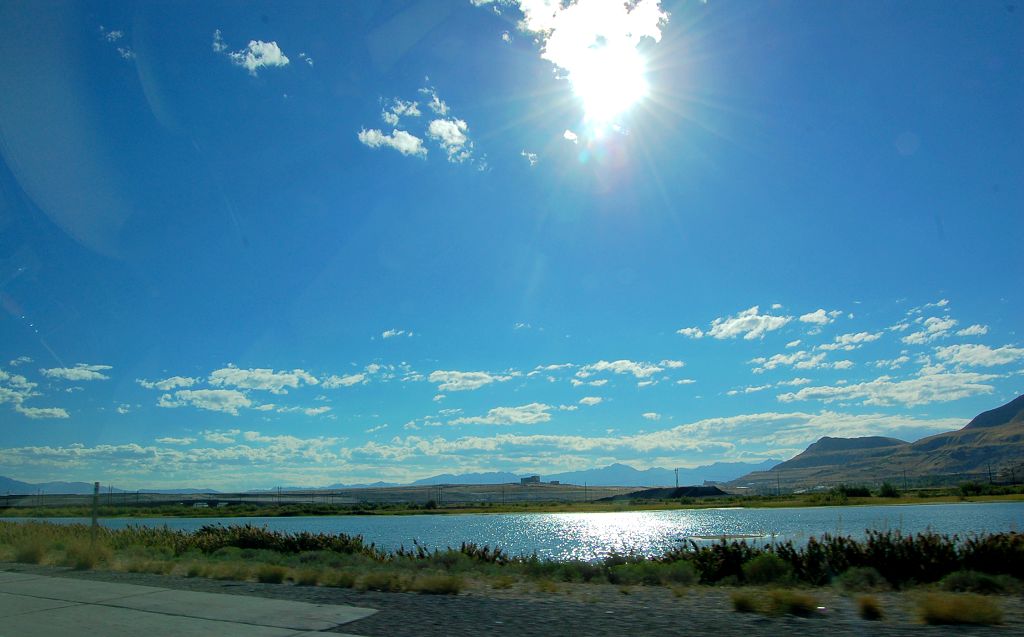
95,509
677,479
904,479
990,473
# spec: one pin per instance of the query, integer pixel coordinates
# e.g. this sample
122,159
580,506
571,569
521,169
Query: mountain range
992,444
620,475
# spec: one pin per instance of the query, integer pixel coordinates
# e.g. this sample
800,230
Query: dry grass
339,579
307,576
546,586
743,601
228,571
381,581
271,574
959,608
437,584
869,608
787,602
30,551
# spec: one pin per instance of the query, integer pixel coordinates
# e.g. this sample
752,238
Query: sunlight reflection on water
589,536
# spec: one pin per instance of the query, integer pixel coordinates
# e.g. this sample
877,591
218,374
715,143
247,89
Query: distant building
530,480
554,482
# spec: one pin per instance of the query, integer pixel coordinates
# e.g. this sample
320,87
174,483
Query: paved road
41,606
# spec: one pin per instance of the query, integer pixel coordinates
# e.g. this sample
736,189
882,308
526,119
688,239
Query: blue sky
253,244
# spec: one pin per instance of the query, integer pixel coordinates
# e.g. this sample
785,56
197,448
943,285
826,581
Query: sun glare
608,80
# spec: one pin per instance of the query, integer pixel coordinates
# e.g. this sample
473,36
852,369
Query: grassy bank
880,562
841,496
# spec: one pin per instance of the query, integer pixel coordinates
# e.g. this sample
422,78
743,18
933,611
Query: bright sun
608,79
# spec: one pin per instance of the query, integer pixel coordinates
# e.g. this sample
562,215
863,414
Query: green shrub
975,582
786,602
340,579
228,571
888,490
681,572
959,608
195,569
862,579
743,601
82,555
307,576
767,568
30,551
437,584
381,581
849,491
868,608
271,574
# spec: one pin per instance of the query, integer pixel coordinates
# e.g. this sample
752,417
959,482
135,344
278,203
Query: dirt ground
578,609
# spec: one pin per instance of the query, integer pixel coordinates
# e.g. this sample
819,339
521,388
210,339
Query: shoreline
784,502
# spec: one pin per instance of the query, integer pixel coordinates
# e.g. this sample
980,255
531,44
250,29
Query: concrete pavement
42,606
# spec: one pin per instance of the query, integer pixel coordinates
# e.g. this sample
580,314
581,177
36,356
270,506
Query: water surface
594,535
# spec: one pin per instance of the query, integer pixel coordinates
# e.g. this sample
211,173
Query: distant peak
1012,411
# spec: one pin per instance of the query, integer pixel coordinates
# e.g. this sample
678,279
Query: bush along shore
941,565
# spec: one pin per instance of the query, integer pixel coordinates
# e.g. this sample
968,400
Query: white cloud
21,360
506,37
261,379
795,382
749,324
685,381
436,104
386,334
226,437
848,342
79,372
801,359
571,136
934,328
971,355
403,142
305,58
820,317
885,391
223,400
672,364
530,157
464,381
176,441
637,369
973,330
747,390
218,42
124,408
591,400
395,109
41,412
372,430
893,363
167,384
333,381
256,55
308,411
691,332
450,134
522,326
651,415
530,414
792,344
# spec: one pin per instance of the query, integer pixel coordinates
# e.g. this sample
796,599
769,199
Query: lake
589,536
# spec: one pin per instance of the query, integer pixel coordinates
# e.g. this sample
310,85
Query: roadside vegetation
773,579
842,495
